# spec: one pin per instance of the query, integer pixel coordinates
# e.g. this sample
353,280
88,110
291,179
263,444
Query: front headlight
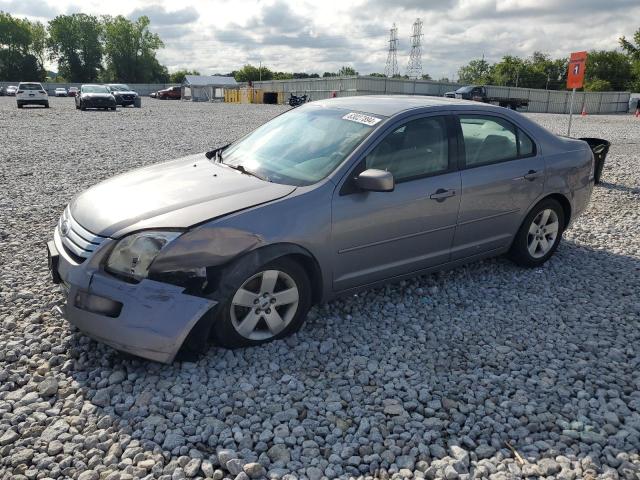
132,256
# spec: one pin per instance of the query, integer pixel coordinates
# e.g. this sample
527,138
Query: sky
218,36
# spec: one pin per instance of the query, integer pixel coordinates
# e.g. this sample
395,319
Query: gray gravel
431,378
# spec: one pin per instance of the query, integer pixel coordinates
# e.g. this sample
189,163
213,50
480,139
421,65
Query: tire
229,316
82,107
113,108
545,222
46,105
20,105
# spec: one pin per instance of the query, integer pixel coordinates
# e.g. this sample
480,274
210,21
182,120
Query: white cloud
222,35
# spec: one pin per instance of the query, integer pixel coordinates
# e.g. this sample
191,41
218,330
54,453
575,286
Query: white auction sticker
361,118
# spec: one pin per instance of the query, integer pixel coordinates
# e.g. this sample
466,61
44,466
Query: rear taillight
20,91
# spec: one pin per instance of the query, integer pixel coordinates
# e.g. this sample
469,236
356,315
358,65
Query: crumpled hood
175,194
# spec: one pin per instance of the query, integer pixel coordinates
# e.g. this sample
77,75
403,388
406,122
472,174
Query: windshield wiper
216,154
241,169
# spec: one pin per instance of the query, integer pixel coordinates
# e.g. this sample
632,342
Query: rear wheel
46,105
19,105
82,107
539,234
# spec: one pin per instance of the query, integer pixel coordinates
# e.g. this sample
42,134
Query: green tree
282,76
475,72
347,71
375,74
608,66
249,73
178,76
17,59
329,74
597,85
38,45
74,40
130,50
632,49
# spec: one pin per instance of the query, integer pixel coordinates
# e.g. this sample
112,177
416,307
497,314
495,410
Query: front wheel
270,303
539,234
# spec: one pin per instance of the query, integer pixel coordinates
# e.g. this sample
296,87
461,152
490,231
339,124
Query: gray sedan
328,198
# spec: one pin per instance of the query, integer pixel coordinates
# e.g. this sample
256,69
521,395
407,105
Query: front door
379,235
502,175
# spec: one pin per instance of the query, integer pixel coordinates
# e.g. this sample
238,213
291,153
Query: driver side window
415,149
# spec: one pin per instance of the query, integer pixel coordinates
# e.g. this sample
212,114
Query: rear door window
490,140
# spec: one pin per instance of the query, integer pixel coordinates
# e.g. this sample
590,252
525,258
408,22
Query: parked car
329,198
153,95
31,93
480,93
11,90
123,94
95,96
61,92
3,91
171,93
73,91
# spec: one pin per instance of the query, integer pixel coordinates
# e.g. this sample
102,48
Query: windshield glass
30,86
119,88
465,89
301,146
94,89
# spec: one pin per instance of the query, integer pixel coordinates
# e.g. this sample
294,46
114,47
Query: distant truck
483,94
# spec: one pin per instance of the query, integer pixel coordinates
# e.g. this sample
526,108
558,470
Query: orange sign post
575,78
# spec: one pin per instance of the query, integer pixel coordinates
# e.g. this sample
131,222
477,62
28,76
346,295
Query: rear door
380,235
502,174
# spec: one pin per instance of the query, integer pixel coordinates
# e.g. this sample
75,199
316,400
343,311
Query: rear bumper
149,319
32,101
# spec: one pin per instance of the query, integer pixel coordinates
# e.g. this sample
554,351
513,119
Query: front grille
127,97
78,241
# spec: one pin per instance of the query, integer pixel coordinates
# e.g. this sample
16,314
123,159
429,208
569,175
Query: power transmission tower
391,69
414,69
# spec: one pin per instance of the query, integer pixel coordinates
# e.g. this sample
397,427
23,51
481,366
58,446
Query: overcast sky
316,36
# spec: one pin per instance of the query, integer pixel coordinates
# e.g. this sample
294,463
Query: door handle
531,175
442,194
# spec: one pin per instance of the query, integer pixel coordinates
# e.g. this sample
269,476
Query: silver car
331,197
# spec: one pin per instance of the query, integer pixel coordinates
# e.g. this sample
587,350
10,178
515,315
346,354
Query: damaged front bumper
149,319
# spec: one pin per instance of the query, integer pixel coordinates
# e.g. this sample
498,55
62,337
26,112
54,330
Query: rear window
29,86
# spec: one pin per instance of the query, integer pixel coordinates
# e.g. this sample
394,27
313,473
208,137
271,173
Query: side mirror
374,180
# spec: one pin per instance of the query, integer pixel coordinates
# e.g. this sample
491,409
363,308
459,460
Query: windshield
94,89
465,89
119,88
30,86
301,146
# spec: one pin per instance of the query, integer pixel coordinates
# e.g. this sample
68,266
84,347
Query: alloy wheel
264,305
543,233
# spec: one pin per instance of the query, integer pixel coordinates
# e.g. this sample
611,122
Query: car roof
390,105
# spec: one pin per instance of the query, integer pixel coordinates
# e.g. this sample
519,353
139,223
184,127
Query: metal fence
541,101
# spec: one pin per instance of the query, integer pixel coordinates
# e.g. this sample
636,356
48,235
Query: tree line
606,70
86,48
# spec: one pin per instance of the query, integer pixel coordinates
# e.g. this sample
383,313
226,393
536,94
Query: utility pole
391,69
414,69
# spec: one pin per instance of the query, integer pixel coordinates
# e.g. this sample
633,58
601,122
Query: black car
95,96
3,91
123,94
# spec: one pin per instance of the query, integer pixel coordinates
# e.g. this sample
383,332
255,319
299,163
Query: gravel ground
436,377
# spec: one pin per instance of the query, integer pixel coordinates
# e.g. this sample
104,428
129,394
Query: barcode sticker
361,118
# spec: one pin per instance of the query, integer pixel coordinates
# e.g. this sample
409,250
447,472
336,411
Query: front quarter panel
302,219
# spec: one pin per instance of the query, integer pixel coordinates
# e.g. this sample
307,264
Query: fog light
95,304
